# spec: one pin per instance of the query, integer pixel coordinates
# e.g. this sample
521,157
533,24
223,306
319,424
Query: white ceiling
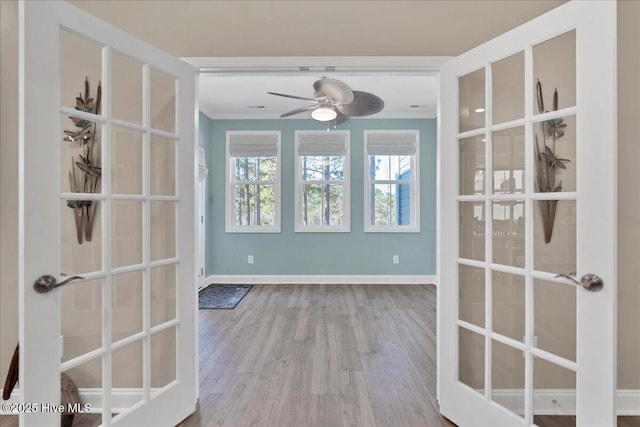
230,97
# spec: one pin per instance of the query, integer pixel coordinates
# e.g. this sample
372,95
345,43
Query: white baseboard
322,279
561,401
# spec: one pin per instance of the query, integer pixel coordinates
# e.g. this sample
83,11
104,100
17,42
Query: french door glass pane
472,230
554,325
88,378
163,101
471,101
126,305
163,358
508,160
163,230
471,359
508,309
554,228
126,161
554,65
163,294
126,377
80,62
80,155
126,92
126,230
81,318
507,377
508,233
75,257
472,165
554,392
508,88
163,166
555,155
472,295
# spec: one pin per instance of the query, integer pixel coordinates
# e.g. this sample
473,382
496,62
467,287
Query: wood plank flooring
320,355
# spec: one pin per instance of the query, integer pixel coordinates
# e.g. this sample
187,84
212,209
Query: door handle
591,282
47,283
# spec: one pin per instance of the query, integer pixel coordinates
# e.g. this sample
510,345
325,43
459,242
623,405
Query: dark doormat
222,296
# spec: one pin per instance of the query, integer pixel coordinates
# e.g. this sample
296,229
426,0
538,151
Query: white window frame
414,227
230,226
346,185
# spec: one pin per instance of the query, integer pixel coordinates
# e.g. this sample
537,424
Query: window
391,193
322,181
253,182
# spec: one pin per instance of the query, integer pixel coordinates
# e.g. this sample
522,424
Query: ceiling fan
335,102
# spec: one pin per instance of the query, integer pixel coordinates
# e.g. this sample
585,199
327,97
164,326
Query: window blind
253,145
325,144
391,144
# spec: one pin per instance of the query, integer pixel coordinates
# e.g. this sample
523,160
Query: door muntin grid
129,210
504,199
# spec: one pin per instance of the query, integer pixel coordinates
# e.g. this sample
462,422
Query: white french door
107,178
528,191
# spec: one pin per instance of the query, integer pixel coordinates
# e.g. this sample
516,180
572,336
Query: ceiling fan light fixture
324,113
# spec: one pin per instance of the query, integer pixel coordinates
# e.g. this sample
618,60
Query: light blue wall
291,253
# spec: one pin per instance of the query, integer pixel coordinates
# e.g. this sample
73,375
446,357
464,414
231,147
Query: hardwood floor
320,355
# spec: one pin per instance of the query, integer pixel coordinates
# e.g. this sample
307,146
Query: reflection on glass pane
126,377
255,204
163,166
554,64
554,323
322,204
507,377
555,155
126,161
80,61
471,298
508,160
548,379
163,230
163,101
472,165
508,88
389,168
126,305
471,101
80,155
508,233
81,318
471,359
472,230
163,358
126,89
322,168
88,378
126,229
76,257
557,221
508,305
163,294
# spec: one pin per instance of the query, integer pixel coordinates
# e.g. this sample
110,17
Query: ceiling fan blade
340,118
294,97
298,111
364,104
334,90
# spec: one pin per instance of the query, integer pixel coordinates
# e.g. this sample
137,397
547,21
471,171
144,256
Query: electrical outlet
396,259
250,259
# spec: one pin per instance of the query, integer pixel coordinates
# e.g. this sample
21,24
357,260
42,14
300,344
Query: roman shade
322,144
253,145
391,144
